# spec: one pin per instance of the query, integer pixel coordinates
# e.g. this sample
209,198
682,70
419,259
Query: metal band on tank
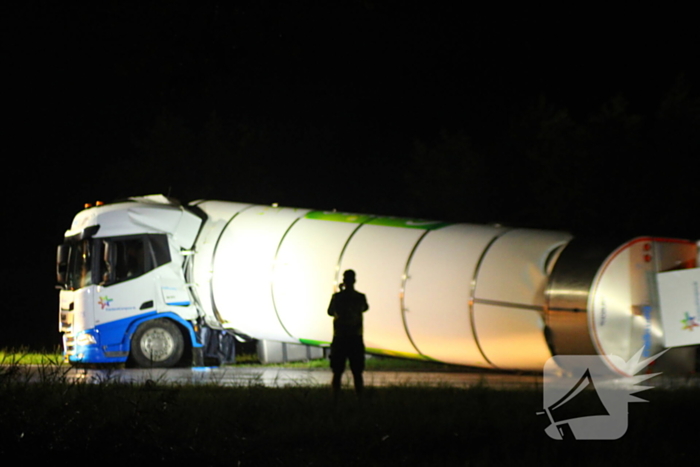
484,301
472,292
402,301
272,276
215,309
345,247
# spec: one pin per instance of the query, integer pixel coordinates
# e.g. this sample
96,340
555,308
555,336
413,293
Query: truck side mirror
108,260
61,263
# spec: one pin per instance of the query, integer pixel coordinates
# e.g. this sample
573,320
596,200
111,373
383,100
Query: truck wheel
157,343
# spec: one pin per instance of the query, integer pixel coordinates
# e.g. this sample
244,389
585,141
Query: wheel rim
157,344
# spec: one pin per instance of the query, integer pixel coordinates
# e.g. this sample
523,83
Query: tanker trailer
150,281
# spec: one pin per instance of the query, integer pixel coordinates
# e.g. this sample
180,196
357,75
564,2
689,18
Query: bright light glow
85,338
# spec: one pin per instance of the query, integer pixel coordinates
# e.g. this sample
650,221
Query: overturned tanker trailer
158,283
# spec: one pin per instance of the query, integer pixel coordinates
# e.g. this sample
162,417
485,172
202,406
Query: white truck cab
121,271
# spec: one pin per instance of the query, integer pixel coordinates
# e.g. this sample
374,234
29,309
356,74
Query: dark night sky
585,121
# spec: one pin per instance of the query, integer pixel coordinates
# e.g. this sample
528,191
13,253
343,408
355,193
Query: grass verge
24,356
373,363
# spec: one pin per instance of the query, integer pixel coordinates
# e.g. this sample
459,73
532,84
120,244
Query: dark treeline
379,106
366,106
611,172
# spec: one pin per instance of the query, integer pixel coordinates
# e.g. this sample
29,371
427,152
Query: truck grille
66,321
68,344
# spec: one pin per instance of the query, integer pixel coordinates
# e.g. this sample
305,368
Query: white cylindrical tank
509,298
458,293
438,293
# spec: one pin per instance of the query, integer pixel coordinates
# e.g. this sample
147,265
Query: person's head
349,277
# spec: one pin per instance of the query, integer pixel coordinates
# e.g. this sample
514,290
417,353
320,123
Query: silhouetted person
346,308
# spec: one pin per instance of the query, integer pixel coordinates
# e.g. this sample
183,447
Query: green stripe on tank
315,343
408,223
391,353
338,217
388,353
402,222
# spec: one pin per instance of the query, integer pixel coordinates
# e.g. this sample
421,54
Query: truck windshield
107,261
79,267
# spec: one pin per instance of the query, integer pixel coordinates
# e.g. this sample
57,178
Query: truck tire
157,343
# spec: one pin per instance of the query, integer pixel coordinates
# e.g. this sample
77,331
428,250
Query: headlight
85,338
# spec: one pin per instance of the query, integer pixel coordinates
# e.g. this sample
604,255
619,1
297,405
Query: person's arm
331,307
